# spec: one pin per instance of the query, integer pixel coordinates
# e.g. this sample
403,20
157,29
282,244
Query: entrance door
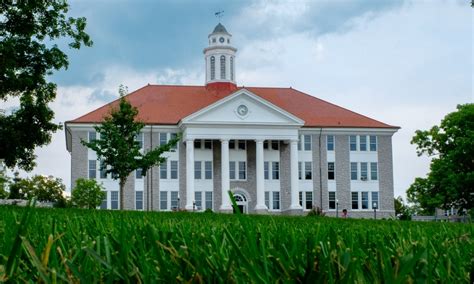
241,201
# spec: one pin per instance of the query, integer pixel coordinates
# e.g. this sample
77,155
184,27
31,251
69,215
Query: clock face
221,40
242,110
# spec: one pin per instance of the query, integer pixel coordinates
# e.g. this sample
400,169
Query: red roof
168,104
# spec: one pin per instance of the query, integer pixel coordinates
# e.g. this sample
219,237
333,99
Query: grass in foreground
50,245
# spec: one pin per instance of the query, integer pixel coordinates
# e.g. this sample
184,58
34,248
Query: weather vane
219,14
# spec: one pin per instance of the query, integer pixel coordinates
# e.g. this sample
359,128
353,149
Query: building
278,150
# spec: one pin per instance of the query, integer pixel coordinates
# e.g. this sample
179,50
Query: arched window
222,67
232,68
213,67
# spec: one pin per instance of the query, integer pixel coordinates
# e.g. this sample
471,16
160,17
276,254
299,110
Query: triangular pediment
243,108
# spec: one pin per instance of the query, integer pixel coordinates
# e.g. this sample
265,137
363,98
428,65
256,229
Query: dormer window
213,68
222,67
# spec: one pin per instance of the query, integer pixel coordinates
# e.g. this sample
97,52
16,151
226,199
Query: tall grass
66,245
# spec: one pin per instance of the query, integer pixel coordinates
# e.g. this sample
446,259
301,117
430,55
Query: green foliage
46,189
117,147
450,182
87,193
29,31
150,247
4,180
402,211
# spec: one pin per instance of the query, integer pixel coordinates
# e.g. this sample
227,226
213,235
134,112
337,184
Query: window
102,171
213,40
163,200
92,136
365,200
375,200
355,200
299,170
208,199
363,171
207,144
198,200
174,170
353,142
307,142
265,170
103,205
301,198
332,200
354,171
275,145
174,200
275,170
331,171
231,144
363,143
197,170
197,144
92,169
267,199
309,200
265,144
208,169
373,171
241,144
299,143
139,139
213,65
276,200
222,67
173,136
164,170
114,199
373,143
139,174
242,170
163,138
231,67
308,170
330,143
231,170
139,200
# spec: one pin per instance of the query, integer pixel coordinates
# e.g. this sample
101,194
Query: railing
452,218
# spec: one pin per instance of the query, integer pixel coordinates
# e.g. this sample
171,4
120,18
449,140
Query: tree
450,182
402,211
28,54
88,193
43,188
3,183
117,147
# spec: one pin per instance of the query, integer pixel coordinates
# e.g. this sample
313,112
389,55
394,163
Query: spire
220,57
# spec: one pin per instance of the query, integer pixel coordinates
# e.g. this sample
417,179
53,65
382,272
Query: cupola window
222,67
213,68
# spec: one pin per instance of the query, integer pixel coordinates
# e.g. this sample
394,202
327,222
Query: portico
242,117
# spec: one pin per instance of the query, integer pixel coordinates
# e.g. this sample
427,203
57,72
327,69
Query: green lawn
111,246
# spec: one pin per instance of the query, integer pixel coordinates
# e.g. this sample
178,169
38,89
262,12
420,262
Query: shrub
87,193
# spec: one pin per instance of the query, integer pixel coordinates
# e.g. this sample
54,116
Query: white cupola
220,57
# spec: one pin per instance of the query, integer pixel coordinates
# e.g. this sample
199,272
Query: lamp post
374,205
178,202
337,208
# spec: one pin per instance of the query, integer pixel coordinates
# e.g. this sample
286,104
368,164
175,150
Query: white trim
349,130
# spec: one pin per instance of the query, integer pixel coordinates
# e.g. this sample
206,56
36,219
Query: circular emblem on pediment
242,110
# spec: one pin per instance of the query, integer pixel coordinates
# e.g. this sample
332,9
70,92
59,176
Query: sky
406,63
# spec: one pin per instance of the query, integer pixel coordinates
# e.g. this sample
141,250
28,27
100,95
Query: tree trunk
122,185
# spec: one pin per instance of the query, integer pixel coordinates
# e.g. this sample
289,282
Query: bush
87,194
43,188
316,211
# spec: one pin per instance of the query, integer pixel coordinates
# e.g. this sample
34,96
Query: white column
260,177
189,174
225,182
294,175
